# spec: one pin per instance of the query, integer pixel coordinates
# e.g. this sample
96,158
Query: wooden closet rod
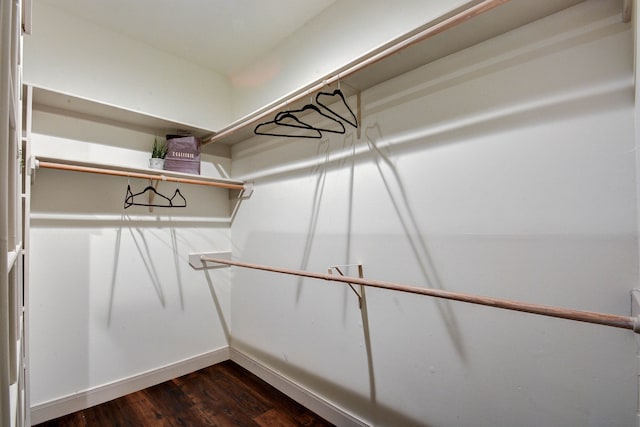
616,321
371,58
76,168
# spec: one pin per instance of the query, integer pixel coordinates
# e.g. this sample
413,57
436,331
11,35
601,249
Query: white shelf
13,402
382,66
12,256
12,392
74,106
13,105
17,388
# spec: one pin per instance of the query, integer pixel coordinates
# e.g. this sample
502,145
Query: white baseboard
295,391
104,393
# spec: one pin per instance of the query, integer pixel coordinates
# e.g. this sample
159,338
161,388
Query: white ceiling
223,35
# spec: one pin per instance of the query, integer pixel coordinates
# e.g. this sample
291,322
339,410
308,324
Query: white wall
505,170
73,56
112,295
341,33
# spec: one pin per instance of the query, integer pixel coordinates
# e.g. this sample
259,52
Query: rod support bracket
635,311
196,262
245,193
359,293
34,165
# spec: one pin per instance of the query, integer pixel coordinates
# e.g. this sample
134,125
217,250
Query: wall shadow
114,273
364,313
144,251
216,302
360,405
397,194
147,259
321,175
177,263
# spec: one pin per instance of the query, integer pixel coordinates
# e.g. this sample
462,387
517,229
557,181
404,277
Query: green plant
160,149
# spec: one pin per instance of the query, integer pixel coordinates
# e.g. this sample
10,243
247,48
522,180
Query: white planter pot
155,163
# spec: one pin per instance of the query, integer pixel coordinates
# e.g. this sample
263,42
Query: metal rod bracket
635,312
242,194
359,293
196,262
35,164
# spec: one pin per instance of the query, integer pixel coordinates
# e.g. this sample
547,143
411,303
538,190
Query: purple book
183,155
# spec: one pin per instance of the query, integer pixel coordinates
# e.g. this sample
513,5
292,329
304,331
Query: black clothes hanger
353,122
291,114
298,125
175,201
180,201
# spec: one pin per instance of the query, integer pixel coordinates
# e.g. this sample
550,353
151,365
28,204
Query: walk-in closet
413,214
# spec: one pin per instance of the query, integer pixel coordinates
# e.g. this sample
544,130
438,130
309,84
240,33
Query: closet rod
616,321
369,59
76,168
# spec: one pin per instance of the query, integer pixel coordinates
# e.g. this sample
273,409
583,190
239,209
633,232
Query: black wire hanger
175,201
353,121
299,125
291,114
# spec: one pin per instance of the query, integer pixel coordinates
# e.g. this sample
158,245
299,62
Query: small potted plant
158,153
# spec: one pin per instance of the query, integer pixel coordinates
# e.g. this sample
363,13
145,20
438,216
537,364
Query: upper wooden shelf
71,105
466,26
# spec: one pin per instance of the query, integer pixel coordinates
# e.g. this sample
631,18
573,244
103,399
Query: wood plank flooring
221,395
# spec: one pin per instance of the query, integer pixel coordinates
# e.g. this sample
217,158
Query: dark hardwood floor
221,395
